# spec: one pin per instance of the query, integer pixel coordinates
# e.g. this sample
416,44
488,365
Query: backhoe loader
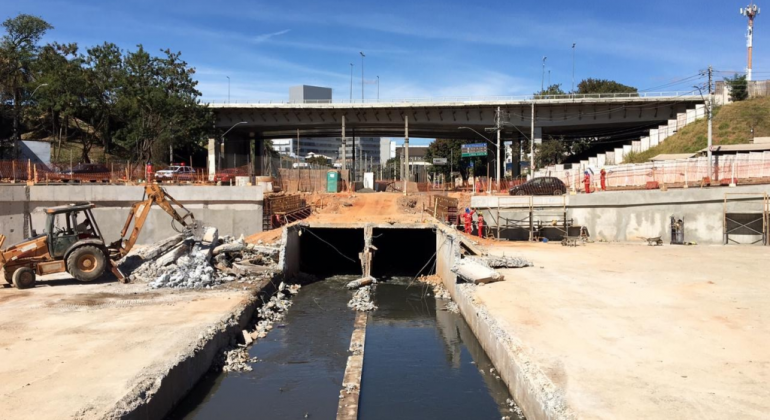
73,243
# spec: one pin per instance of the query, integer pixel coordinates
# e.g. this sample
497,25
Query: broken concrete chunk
229,247
475,272
161,247
247,337
494,261
172,255
364,281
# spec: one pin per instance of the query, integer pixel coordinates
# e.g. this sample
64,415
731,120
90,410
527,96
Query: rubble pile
496,261
362,300
441,292
184,261
236,359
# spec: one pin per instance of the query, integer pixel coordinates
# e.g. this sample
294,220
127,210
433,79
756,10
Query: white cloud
265,37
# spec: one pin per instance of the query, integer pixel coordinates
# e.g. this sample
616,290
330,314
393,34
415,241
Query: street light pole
573,67
542,80
228,89
35,91
378,88
223,136
362,76
351,82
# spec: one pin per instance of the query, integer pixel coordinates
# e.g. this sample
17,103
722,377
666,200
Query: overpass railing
477,99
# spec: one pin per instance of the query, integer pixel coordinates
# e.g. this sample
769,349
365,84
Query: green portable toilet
332,181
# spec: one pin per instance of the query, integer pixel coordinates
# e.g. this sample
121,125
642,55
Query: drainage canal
420,359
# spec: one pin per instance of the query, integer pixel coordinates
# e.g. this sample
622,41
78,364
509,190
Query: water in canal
420,362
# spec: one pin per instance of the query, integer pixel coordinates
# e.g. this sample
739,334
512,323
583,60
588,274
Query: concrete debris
235,359
475,272
356,348
495,261
453,308
184,262
362,300
441,292
364,281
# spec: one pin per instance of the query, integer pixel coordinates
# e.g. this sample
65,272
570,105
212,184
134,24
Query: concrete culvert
403,252
330,251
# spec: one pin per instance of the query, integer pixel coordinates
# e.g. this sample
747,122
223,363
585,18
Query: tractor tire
24,278
86,263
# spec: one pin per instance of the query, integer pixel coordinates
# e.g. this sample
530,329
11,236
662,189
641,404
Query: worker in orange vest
468,220
603,178
587,182
480,225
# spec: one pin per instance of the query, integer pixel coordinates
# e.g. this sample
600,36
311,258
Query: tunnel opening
330,251
403,252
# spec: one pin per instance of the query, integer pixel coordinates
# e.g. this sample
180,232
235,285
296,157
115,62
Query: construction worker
468,221
603,178
480,225
587,182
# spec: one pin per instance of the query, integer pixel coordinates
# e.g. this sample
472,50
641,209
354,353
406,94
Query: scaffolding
746,214
536,214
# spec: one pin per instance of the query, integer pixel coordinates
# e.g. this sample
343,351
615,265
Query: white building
366,147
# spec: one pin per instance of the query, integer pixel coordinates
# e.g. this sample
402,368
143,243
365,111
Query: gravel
362,300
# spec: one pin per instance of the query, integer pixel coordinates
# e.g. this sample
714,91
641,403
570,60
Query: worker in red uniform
587,181
468,220
480,225
603,179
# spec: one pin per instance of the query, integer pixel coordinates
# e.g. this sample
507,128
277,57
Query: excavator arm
154,194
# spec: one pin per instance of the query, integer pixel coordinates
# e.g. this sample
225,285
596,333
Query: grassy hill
732,125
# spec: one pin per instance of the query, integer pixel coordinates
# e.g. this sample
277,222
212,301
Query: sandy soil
370,207
74,350
630,331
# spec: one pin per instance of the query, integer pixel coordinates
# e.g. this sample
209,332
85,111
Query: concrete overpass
569,115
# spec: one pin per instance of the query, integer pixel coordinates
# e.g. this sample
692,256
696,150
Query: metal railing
466,99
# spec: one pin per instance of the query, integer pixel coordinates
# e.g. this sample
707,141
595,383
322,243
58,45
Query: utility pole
549,77
542,81
751,11
351,83
709,108
406,149
532,144
573,67
228,89
497,162
344,148
378,88
362,76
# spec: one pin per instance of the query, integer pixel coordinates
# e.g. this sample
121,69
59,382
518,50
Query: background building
310,94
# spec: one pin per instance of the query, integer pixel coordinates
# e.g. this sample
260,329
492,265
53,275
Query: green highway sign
473,150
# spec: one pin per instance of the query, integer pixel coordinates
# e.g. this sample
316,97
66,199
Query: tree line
134,104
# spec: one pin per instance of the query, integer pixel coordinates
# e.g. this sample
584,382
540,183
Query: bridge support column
406,151
213,157
344,151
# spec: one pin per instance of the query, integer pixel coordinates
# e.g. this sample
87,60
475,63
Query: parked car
175,173
226,176
84,172
546,185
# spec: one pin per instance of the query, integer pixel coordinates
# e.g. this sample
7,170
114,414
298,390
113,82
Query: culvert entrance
419,355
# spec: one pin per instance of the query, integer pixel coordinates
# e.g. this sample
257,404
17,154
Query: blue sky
418,48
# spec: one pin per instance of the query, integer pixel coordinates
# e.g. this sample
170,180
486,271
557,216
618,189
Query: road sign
439,161
475,149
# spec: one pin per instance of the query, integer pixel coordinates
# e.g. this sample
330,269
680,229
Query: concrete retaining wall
530,388
632,215
233,210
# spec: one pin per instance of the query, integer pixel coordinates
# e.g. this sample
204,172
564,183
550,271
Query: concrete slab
635,332
74,350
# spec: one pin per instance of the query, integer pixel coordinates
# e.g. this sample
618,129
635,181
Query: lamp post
489,190
223,138
378,88
351,82
362,76
542,81
35,91
228,89
573,67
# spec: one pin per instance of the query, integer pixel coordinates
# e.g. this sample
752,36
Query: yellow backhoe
73,243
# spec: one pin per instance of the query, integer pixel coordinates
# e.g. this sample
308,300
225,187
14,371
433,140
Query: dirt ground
629,331
73,350
370,207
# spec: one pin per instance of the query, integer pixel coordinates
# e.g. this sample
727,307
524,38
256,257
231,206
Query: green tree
589,86
159,106
318,161
550,91
551,152
738,87
18,51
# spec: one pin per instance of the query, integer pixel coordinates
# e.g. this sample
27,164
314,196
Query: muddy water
300,369
420,362
423,362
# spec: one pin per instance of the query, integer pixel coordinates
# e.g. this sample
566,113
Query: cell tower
751,12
